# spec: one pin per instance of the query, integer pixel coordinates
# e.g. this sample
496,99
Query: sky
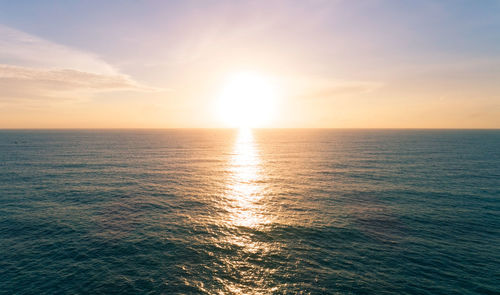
335,64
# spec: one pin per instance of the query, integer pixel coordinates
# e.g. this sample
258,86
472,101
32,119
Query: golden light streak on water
244,191
245,205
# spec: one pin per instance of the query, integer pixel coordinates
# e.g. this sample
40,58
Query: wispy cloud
342,88
32,68
30,83
327,88
65,79
22,49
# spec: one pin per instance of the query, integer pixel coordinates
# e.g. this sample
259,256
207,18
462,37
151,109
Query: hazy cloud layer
32,68
324,88
22,49
343,88
30,83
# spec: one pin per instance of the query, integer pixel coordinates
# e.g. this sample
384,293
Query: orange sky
333,64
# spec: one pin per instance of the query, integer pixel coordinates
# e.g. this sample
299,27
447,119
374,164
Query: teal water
262,212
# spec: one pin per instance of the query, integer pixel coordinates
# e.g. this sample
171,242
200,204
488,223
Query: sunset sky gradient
337,64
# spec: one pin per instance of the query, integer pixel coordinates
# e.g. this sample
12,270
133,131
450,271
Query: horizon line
260,128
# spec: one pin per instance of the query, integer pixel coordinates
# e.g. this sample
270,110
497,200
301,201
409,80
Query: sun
247,99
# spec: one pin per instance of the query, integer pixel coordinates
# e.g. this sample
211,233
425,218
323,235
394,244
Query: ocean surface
250,212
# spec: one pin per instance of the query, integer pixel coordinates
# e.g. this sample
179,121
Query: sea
264,211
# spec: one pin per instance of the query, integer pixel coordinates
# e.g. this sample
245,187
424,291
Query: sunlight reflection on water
244,190
246,212
254,212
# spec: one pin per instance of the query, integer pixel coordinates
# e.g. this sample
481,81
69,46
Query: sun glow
247,100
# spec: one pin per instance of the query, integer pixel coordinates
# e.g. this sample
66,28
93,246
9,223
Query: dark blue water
262,212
